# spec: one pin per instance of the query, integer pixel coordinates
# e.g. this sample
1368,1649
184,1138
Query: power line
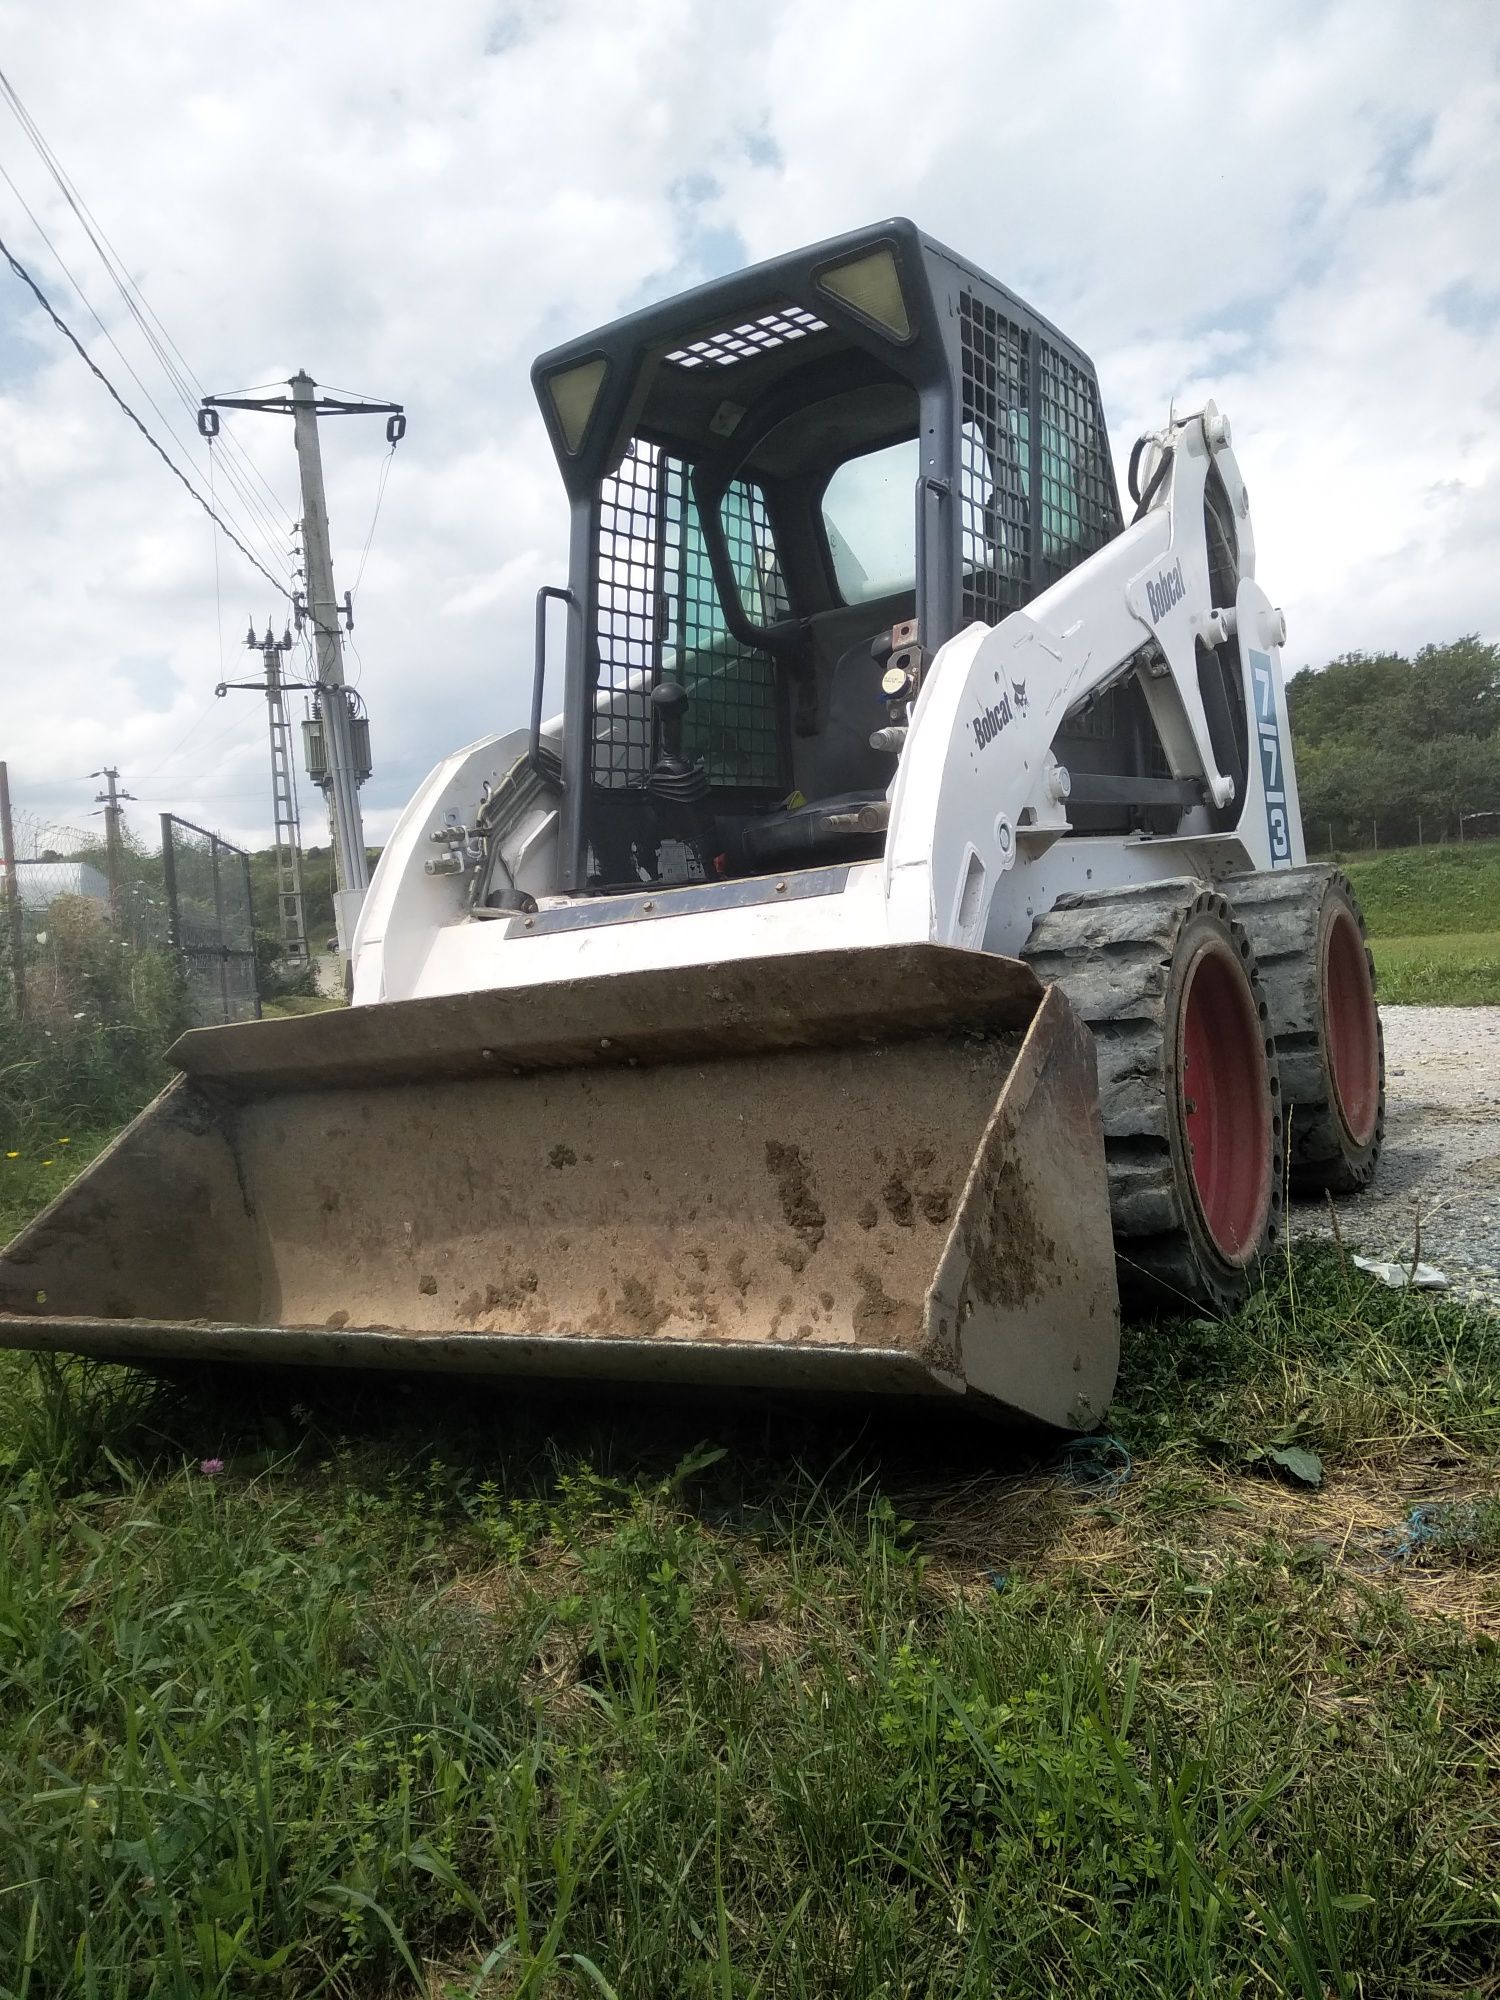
260,530
192,729
194,792
265,525
49,160
178,372
94,369
381,495
236,723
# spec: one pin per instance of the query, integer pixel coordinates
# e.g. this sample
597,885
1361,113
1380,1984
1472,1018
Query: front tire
1188,1085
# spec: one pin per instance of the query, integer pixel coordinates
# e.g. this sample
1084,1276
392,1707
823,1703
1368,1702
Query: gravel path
1442,1150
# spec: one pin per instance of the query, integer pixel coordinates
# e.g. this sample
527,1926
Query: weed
1321,1356
92,1048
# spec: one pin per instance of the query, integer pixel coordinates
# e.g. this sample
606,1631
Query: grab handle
539,672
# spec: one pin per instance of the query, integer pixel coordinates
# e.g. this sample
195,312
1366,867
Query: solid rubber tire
1126,959
1318,977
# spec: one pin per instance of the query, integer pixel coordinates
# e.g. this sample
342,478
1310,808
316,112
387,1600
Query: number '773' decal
1273,775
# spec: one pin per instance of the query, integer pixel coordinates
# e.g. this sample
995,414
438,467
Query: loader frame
812,1116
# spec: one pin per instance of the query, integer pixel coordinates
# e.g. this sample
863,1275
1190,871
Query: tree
1403,744
1455,690
1359,697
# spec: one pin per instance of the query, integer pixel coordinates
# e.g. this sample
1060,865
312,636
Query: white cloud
1270,205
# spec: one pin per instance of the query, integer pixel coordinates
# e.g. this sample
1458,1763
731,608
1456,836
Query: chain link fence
56,862
81,916
211,921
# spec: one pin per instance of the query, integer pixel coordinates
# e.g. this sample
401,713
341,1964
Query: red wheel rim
1351,1028
1226,1109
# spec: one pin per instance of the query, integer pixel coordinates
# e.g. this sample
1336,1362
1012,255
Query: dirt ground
1440,1174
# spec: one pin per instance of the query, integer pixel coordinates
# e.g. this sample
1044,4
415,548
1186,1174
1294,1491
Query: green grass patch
298,1003
1322,1357
1457,971
1425,892
362,1687
35,1167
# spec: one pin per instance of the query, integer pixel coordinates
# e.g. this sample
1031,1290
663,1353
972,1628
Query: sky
1293,208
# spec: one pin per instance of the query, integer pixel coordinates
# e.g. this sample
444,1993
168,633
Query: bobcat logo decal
1168,589
989,722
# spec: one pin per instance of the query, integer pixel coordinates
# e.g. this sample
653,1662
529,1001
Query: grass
1431,913
64,1095
298,1003
363,1687
1429,891
40,1166
1462,970
367,1688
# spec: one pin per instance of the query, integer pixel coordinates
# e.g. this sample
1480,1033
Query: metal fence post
244,860
213,859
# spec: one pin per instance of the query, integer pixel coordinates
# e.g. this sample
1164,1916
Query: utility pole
286,818
110,800
333,702
12,898
342,776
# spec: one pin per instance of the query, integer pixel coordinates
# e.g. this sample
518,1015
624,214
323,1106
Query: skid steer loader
899,946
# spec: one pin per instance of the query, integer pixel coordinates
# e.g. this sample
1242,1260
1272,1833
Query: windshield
869,515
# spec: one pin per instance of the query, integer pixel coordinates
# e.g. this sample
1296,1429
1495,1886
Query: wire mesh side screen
994,463
212,921
1080,505
660,616
1016,542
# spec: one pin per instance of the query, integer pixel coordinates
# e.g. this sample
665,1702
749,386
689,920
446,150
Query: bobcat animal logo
1018,694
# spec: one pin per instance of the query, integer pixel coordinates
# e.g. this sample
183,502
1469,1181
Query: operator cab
788,489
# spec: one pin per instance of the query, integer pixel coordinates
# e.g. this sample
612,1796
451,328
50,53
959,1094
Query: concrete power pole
333,703
343,776
12,898
111,799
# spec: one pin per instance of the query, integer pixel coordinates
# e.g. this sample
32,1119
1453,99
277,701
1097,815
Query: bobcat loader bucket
866,1171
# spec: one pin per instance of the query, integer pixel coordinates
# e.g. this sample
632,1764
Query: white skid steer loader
900,945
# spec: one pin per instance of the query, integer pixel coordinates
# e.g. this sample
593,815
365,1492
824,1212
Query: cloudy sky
1293,207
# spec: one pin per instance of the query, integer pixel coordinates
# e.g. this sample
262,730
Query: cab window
869,516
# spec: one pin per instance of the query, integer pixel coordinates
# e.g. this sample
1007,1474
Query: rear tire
1188,1086
1319,981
